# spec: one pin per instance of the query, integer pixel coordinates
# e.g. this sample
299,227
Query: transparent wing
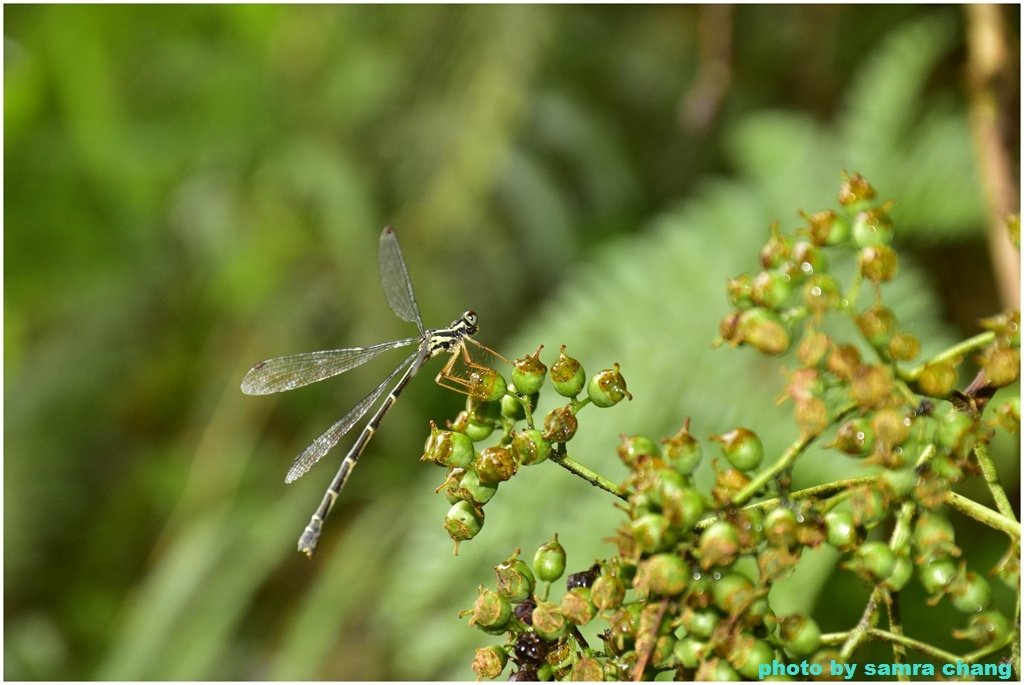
296,370
395,279
322,445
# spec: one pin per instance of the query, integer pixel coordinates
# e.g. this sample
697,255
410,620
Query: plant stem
955,352
988,471
559,456
861,630
784,462
983,514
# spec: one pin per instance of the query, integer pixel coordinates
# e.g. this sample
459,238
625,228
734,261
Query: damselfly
294,371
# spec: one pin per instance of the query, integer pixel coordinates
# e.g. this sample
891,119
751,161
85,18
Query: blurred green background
189,189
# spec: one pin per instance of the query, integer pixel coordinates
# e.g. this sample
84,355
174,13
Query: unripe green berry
877,324
560,425
822,292
662,574
549,561
827,227
512,408
742,448
477,491
607,388
463,521
567,375
903,346
878,263
937,379
515,579
682,451
970,593
902,569
807,259
587,669
986,628
528,373
448,448
1001,364
548,621
682,505
747,653
689,652
873,561
936,576
771,289
780,526
577,606
634,447
488,384
800,635
776,251
489,662
854,437
840,530
854,191
733,593
651,532
719,544
495,464
607,592
490,610
478,431
700,623
530,447
763,330
873,227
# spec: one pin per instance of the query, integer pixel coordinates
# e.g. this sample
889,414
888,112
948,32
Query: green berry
855,437
840,530
986,628
478,431
530,447
607,592
873,227
463,521
689,652
651,532
607,388
448,448
548,621
937,379
780,527
682,451
827,227
587,669
822,293
878,263
771,289
662,574
567,375
747,653
763,330
549,561
873,561
495,464
733,593
578,606
800,635
489,662
632,448
490,610
936,576
560,424
528,373
902,569
970,593
742,448
719,544
700,623
478,492
515,579
854,191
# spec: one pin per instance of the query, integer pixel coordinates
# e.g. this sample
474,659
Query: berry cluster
497,406
688,588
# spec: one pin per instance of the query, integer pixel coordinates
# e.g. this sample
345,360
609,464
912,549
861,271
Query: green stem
784,462
807,493
955,352
899,652
923,647
863,627
988,471
982,514
559,456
